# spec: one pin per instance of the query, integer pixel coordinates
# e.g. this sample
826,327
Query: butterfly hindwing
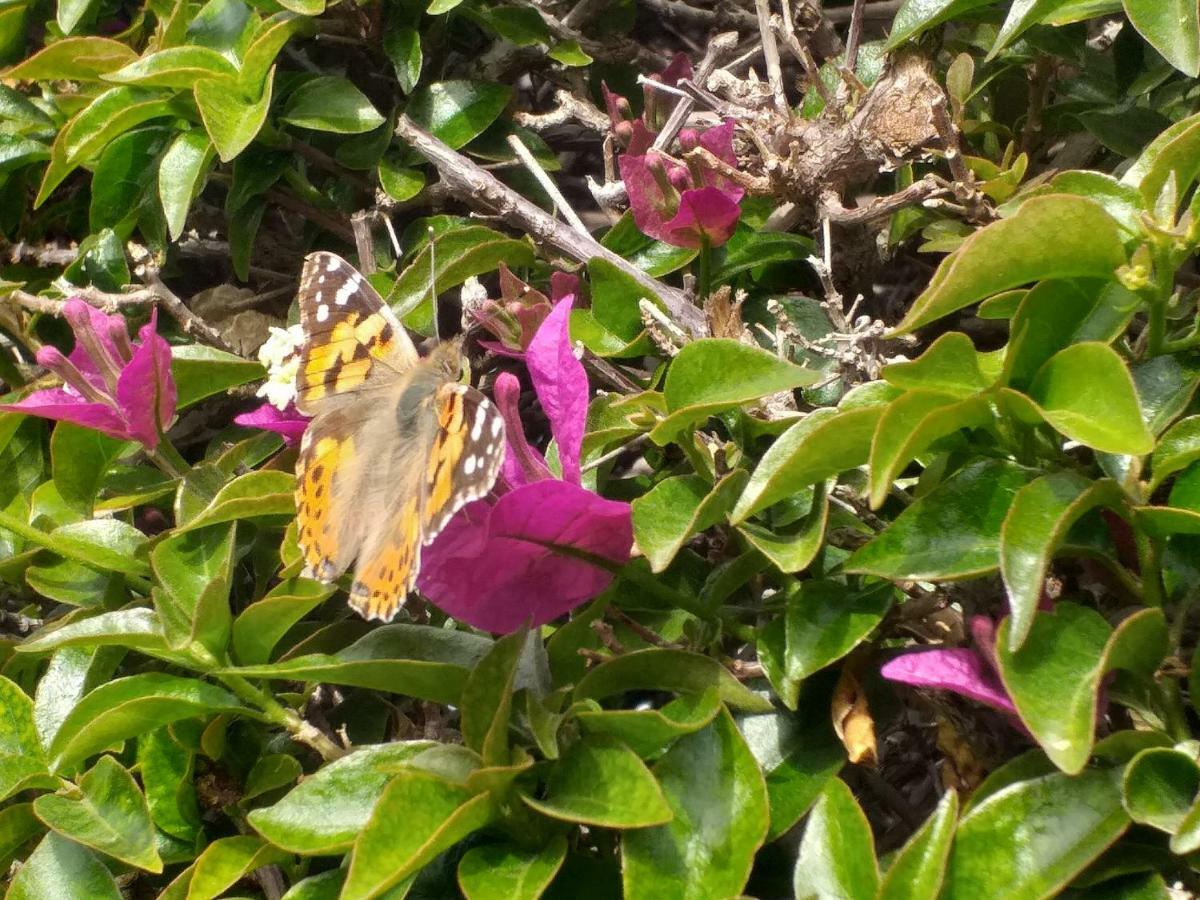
350,333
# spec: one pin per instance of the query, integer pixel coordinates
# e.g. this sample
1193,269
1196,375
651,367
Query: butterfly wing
353,343
450,458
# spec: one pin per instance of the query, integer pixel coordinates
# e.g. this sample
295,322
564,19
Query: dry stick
805,58
486,194
771,56
883,11
548,185
618,50
170,301
880,207
854,35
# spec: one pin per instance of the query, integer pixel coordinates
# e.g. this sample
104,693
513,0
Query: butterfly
396,445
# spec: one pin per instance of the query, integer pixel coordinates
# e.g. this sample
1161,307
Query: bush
825,521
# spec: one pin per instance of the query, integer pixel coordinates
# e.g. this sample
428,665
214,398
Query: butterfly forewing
349,332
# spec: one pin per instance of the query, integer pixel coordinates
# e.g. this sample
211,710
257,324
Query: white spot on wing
497,425
346,290
477,425
322,312
469,465
332,265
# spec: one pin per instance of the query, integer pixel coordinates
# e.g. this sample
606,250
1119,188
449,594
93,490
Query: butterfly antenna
433,295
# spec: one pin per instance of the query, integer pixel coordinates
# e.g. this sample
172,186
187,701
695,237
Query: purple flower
969,672
685,205
546,545
121,388
287,423
636,135
515,318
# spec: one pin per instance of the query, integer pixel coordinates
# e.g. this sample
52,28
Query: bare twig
771,56
854,35
547,183
717,47
880,207
804,56
570,109
487,195
175,307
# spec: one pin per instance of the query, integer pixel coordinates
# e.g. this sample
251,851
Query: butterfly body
396,444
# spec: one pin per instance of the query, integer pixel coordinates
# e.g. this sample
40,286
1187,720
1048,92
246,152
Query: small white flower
280,353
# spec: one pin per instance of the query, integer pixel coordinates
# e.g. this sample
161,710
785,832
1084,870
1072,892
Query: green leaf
1086,393
402,45
1051,236
417,817
226,861
271,772
194,569
231,118
110,815
112,113
952,532
650,731
1173,152
1159,787
1013,844
331,103
715,790
270,38
1177,449
569,53
257,494
487,699
1172,27
22,759
108,544
181,177
664,669
1054,678
61,868
417,660
327,810
909,425
616,296
750,249
201,372
949,366
837,854
138,629
73,671
916,16
175,67
1042,513
795,550
823,621
819,446
518,25
675,509
166,769
73,59
399,182
79,459
18,826
920,865
746,374
458,111
259,627
70,13
600,781
509,872
459,253
130,706
18,152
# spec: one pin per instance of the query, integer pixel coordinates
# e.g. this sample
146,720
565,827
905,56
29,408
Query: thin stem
705,268
1157,327
66,550
1149,551
303,731
168,459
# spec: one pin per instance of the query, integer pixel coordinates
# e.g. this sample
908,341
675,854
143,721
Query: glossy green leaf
1054,678
108,544
675,509
600,781
268,40
510,872
749,373
792,549
271,772
331,103
402,45
181,176
909,425
837,854
1172,27
72,672
326,811
650,731
129,706
417,817
949,366
165,766
231,118
262,493
1177,449
79,459
259,627
916,16
487,699
616,297
416,660
1013,844
750,249
73,59
226,861
137,628
61,868
175,67
22,759
69,13
1087,394
18,826
201,372
715,791
1042,513
1160,786
458,111
920,865
110,815
666,669
194,569
1052,236
951,532
819,446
